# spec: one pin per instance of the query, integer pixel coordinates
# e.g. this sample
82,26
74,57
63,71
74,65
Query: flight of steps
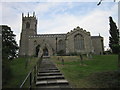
50,77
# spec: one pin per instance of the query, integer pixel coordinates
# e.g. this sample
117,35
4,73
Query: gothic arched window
27,25
78,42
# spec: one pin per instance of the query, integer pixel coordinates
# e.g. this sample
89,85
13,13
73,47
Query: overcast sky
61,17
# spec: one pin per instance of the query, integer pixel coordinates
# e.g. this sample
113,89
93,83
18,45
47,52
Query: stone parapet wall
48,35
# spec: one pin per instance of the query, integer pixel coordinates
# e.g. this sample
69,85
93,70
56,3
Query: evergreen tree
9,48
9,45
114,38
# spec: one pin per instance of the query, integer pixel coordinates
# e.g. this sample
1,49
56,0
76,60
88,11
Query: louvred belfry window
27,25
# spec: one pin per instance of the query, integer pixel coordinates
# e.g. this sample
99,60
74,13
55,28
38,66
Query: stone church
77,40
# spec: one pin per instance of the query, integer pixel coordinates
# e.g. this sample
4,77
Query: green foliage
6,72
9,48
19,71
9,45
72,54
61,53
108,51
114,38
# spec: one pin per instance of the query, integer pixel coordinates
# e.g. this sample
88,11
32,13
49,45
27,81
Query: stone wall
87,41
97,42
45,40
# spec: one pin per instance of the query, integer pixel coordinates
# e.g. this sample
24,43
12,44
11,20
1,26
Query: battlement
29,16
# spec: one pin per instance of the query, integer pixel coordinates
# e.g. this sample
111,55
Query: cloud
119,15
55,0
44,7
62,17
12,18
1,12
96,22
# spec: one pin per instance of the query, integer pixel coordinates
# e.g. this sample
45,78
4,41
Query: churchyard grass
79,75
20,67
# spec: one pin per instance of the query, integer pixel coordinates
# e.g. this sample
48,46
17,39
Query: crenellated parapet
28,16
78,29
47,35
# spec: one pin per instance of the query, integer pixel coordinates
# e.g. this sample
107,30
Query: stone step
56,86
50,77
48,71
46,57
53,69
49,74
49,86
49,67
52,82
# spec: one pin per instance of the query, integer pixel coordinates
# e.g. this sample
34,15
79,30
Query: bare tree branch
101,2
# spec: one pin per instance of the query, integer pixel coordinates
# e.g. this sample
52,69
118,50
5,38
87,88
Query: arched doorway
45,52
45,49
37,50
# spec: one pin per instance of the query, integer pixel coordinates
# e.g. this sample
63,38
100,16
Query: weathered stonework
50,44
97,42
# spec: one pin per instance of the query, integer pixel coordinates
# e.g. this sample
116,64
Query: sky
61,16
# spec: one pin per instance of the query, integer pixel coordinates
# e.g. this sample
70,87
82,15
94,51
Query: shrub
61,53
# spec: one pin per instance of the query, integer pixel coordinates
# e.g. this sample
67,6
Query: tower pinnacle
28,14
22,15
33,14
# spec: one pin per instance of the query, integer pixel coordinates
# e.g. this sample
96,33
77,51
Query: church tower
29,28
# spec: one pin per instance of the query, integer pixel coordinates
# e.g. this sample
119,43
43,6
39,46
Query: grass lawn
79,75
19,70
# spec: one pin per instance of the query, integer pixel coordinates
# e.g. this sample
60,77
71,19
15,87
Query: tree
9,45
114,38
9,48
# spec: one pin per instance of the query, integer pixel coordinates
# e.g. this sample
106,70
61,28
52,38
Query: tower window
27,25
